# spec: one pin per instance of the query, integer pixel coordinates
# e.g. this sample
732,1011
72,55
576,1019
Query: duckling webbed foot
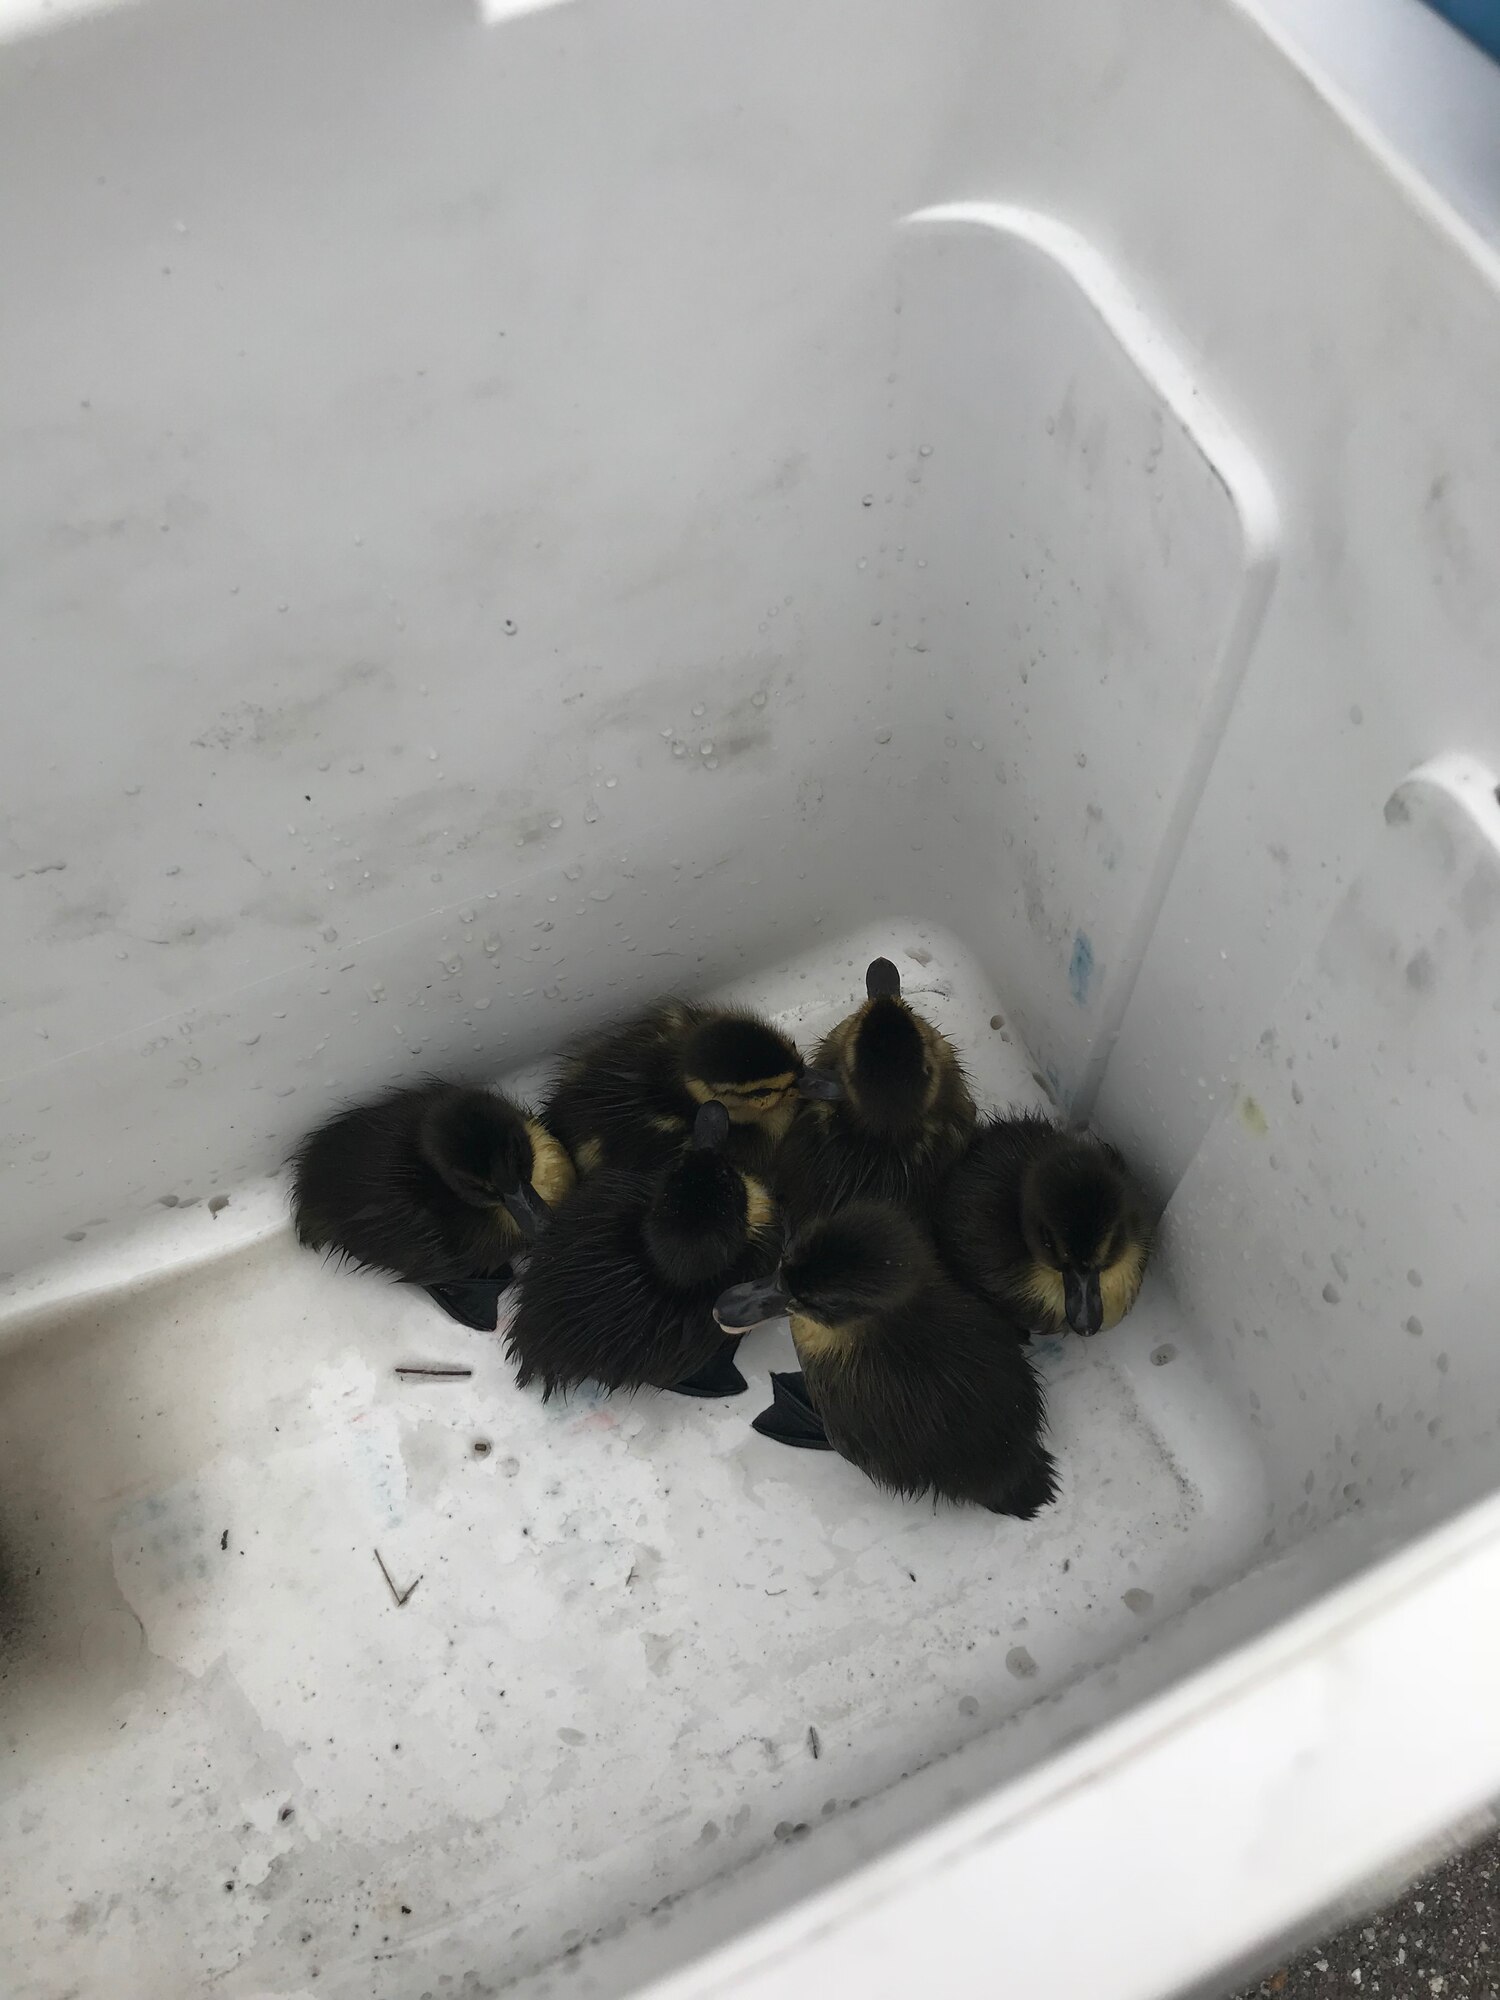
473,1302
717,1377
791,1419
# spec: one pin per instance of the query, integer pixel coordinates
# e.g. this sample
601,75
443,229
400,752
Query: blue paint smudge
1047,1351
1081,968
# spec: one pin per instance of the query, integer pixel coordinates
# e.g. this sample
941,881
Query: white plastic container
506,516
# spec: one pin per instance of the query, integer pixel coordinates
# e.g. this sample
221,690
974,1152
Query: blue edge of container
1478,19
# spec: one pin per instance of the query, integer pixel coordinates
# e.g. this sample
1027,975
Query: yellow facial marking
551,1169
590,1156
760,1210
1120,1284
778,1121
761,1102
817,1343
667,1123
1044,1292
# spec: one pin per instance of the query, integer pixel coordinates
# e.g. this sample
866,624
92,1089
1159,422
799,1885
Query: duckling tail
1028,1488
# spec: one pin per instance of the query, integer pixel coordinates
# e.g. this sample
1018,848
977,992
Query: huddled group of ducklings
692,1175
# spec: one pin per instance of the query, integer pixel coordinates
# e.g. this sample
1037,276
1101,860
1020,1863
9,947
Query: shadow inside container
75,1443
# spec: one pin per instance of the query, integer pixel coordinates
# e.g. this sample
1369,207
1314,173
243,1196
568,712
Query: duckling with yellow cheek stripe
628,1097
435,1183
621,1290
918,1382
901,1116
1046,1223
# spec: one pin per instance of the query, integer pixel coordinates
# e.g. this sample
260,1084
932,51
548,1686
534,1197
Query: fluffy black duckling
621,1290
901,1117
438,1184
1046,1223
628,1097
918,1382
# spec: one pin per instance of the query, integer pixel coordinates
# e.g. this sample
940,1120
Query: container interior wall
506,518
300,421
433,481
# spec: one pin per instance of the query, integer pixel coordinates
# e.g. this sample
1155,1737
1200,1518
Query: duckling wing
621,1093
976,1218
591,1308
818,1169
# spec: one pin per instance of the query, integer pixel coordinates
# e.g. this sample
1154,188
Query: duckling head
703,1210
868,1258
891,1064
1083,1220
481,1148
750,1068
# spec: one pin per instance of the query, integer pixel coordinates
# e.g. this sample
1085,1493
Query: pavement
1439,1940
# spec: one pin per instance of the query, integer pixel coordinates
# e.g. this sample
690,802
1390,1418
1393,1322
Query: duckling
436,1183
900,1118
628,1097
621,1290
1046,1223
921,1384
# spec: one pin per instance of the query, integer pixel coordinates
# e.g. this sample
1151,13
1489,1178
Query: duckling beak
1083,1303
744,1306
527,1210
820,1084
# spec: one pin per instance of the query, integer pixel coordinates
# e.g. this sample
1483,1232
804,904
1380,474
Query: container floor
640,1643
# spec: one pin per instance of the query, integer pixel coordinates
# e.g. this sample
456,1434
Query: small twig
432,1371
399,1595
814,1742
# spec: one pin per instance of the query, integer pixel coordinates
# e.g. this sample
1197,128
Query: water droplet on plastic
882,736
758,699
